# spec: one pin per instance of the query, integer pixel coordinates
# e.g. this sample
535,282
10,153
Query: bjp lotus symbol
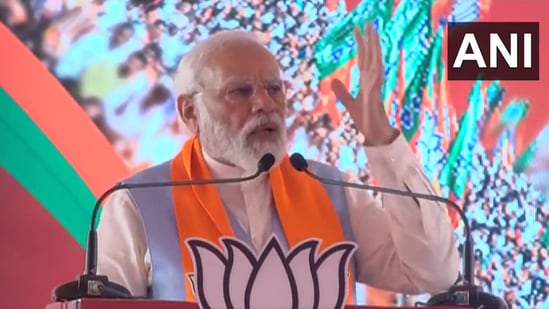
237,278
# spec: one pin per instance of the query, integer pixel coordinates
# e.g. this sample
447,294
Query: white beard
234,148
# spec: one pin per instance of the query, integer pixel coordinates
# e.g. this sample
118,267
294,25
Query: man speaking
282,239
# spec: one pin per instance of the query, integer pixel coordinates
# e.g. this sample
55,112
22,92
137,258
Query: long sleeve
405,245
122,247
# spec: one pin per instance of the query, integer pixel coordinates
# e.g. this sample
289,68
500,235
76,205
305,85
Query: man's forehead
230,65
235,79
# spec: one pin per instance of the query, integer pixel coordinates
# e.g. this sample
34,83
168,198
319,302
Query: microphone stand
91,285
464,294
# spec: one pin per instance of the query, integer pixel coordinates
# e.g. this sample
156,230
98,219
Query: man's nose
263,102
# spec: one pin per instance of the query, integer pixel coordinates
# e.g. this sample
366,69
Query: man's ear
187,112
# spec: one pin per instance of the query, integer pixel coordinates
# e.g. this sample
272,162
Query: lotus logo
237,278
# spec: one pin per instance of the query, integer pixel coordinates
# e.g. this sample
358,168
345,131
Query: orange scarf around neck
303,206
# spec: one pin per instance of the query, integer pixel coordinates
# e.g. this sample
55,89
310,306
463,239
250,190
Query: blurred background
86,99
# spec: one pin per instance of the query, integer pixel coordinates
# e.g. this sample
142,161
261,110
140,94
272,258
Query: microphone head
266,162
298,162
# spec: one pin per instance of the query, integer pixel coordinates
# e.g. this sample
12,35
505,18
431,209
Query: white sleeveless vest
156,207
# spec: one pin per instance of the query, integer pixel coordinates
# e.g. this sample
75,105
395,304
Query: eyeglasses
244,91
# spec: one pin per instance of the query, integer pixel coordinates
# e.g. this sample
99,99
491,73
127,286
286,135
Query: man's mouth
265,128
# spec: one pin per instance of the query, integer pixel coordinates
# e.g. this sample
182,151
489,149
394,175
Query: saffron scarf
303,206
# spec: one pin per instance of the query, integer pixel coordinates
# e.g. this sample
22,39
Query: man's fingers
359,41
342,94
368,47
377,53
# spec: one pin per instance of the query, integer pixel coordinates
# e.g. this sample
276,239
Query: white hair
187,78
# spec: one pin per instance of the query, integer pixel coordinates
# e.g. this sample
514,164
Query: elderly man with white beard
185,242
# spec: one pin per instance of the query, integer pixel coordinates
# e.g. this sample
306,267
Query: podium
161,304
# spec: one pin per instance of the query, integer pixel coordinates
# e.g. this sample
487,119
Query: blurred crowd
117,57
509,218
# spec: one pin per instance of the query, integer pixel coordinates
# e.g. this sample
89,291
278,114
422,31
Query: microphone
91,285
466,294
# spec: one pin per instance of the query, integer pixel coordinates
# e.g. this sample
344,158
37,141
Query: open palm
367,110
